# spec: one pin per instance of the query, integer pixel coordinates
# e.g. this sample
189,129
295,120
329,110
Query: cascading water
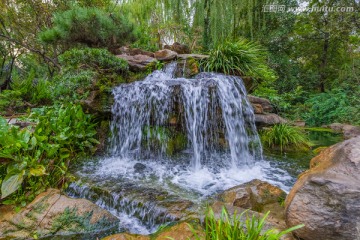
148,180
211,105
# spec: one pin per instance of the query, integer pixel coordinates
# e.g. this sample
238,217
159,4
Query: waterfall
211,109
145,184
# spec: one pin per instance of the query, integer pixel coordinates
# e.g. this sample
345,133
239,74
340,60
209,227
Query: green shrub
33,89
28,91
72,86
243,58
85,70
284,137
233,228
92,27
38,156
337,105
96,59
10,101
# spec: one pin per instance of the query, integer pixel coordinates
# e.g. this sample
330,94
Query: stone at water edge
326,198
348,130
178,231
54,214
256,195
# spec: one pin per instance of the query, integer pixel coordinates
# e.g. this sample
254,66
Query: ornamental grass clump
285,137
239,227
241,58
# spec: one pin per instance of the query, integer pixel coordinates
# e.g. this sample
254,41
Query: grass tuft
233,228
284,137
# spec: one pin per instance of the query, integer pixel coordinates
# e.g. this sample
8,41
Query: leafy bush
92,27
38,156
93,58
72,86
285,137
231,228
33,89
85,70
28,91
288,104
10,101
337,105
242,58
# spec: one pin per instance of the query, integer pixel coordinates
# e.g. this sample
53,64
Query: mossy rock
52,213
185,230
256,195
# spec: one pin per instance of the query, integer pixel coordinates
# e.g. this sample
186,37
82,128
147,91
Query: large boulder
178,48
257,195
263,102
138,62
52,213
349,131
133,51
326,198
264,112
165,55
268,119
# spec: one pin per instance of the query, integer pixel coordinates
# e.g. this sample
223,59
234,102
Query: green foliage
243,58
93,58
10,101
85,70
71,86
285,137
29,89
38,156
289,104
232,227
92,27
33,89
337,105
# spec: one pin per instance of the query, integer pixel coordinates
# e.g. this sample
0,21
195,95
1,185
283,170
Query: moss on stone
71,221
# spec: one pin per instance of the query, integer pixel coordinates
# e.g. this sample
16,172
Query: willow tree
160,21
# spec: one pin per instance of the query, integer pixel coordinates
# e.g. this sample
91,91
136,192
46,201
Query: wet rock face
54,214
326,198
